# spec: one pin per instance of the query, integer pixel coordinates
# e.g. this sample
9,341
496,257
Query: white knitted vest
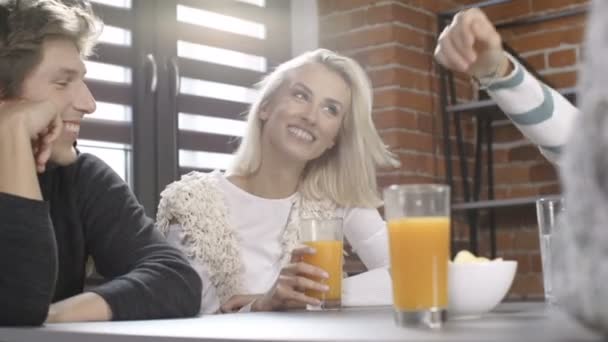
197,204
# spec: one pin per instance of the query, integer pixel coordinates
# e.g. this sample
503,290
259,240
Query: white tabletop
510,322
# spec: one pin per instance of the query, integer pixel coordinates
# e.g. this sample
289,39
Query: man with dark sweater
58,208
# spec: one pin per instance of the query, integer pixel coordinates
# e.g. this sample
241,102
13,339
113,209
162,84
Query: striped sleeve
542,114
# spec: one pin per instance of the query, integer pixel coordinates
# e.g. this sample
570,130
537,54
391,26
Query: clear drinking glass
325,236
547,211
418,219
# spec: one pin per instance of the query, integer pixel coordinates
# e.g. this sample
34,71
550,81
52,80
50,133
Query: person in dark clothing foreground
58,207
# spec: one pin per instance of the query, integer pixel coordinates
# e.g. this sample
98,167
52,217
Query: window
223,49
107,132
171,97
117,156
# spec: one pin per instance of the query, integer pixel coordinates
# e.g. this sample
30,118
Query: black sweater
88,211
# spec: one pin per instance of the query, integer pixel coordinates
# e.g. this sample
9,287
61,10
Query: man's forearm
28,260
17,166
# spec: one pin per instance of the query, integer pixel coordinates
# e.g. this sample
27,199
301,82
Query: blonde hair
345,174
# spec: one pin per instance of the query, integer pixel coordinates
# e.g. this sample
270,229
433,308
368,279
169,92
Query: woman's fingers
302,284
236,302
300,251
302,268
287,294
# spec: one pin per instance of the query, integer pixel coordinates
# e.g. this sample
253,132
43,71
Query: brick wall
394,41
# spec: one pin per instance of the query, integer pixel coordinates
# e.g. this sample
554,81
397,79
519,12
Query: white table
510,322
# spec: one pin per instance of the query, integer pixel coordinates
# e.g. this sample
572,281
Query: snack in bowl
476,284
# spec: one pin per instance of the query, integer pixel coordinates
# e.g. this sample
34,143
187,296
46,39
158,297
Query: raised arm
471,44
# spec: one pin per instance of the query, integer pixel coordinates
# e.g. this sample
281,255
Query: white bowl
476,288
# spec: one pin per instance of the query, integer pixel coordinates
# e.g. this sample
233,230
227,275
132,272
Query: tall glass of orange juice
418,219
325,236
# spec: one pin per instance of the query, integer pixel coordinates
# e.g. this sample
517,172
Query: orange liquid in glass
419,252
328,258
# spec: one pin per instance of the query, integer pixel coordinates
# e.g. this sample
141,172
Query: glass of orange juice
418,219
325,236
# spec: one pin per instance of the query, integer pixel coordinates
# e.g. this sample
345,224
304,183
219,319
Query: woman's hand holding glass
294,279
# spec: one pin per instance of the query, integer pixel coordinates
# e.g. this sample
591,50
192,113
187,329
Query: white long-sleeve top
542,114
259,223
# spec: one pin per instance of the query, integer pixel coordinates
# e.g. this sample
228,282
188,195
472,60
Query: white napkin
371,288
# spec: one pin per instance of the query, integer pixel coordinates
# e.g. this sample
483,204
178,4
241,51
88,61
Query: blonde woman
310,149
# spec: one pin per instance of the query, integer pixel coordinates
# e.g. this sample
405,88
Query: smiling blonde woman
310,150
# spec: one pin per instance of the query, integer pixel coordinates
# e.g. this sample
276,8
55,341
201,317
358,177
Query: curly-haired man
59,207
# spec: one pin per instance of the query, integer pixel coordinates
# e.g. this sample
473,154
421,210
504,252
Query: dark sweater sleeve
148,278
28,261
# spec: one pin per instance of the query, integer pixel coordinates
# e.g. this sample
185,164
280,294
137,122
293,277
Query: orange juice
329,258
419,251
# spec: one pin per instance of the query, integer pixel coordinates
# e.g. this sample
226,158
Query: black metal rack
485,111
